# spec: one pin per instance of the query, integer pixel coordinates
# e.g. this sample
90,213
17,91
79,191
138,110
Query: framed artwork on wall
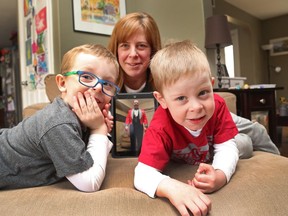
97,16
279,46
132,115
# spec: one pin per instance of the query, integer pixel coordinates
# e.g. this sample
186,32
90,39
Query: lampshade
217,32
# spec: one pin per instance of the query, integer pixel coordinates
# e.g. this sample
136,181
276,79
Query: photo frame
279,46
97,16
127,141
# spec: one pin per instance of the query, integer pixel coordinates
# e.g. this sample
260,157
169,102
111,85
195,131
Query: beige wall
249,30
176,20
272,29
185,19
252,34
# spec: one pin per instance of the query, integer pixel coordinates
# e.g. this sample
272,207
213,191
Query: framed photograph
97,16
132,115
279,46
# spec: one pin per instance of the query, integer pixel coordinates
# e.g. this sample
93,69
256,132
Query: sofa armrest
230,100
51,87
30,110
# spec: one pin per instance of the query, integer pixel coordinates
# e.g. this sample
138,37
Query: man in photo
135,124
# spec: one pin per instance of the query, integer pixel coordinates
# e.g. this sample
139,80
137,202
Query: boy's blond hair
97,50
176,60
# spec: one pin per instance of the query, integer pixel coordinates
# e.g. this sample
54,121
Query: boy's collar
194,133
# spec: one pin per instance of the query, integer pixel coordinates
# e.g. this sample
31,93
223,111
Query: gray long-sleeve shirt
43,148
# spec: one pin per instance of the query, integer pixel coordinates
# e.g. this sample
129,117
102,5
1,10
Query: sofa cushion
259,187
52,91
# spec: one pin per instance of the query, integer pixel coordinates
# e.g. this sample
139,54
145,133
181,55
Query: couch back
51,87
52,91
230,100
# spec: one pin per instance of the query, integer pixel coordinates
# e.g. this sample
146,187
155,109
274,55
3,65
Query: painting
132,116
279,46
97,16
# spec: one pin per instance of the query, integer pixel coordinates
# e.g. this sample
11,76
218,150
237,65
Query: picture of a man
135,124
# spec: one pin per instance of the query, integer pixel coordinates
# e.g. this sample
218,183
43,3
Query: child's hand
184,197
108,117
89,113
126,128
207,179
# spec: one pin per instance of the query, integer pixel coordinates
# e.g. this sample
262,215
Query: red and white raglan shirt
165,140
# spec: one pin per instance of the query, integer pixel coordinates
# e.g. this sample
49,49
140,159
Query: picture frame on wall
130,125
279,46
97,16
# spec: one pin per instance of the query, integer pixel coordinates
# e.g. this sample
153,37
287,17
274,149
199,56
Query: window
232,59
229,60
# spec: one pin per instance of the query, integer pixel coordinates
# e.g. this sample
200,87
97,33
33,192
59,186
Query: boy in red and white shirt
192,125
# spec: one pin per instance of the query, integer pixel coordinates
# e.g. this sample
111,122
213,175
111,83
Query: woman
134,40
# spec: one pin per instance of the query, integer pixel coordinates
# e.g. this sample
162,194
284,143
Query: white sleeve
90,180
147,179
226,157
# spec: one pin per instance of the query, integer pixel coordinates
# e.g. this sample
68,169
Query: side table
257,100
282,121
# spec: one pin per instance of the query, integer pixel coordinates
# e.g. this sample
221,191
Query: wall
56,37
176,20
249,30
186,20
253,33
272,29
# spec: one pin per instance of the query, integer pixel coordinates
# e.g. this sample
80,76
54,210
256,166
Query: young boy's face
96,65
190,100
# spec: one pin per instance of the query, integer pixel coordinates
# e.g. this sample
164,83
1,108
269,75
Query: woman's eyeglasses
91,80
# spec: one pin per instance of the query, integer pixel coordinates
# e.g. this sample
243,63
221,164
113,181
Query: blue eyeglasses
91,80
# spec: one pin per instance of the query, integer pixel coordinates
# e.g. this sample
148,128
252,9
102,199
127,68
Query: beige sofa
259,187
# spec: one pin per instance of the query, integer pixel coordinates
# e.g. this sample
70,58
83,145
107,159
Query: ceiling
262,9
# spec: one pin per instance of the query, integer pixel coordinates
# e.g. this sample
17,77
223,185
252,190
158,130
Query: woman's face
134,56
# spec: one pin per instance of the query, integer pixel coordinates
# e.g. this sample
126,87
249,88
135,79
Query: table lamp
217,36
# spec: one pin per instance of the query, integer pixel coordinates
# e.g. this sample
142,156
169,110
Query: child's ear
161,100
60,81
213,80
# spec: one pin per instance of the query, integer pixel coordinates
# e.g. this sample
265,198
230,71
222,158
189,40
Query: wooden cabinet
253,103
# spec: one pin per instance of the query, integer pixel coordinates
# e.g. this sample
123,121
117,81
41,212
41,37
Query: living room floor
284,144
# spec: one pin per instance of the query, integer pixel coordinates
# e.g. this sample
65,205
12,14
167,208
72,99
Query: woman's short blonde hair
176,60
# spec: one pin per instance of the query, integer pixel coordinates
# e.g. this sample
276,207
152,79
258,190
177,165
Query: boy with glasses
68,138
